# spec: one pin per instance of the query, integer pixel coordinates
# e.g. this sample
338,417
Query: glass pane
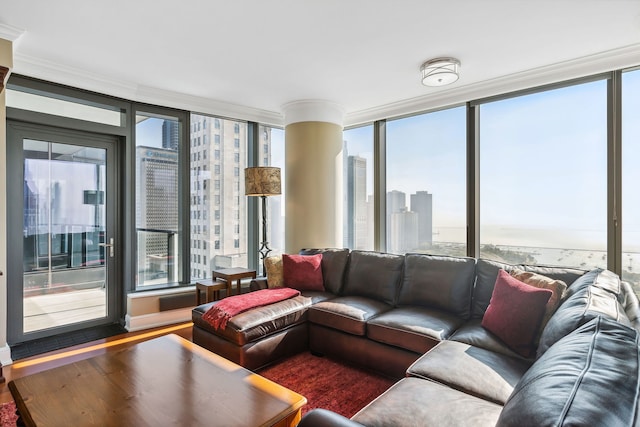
272,154
64,223
543,177
218,157
426,183
631,178
157,142
64,108
358,178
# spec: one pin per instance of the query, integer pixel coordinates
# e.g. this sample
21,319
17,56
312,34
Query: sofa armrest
325,418
258,283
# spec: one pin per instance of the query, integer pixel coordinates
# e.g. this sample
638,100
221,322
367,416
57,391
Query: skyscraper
422,204
396,202
156,210
170,134
357,203
218,204
404,231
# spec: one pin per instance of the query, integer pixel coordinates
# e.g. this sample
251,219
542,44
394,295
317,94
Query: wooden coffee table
164,381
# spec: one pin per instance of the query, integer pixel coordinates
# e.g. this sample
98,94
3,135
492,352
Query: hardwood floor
71,354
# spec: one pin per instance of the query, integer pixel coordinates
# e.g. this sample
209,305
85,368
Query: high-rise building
396,202
218,203
156,210
357,212
170,134
422,204
404,231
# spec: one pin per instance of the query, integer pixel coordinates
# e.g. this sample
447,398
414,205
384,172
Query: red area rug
327,384
8,415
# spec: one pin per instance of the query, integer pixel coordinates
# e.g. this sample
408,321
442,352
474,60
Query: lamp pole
264,245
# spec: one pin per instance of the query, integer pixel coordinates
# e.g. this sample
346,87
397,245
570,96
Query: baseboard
5,355
154,320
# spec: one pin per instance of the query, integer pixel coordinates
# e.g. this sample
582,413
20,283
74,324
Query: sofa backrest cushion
441,282
486,274
631,304
588,297
374,275
590,377
334,264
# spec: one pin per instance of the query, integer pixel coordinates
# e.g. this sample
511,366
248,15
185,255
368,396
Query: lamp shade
262,181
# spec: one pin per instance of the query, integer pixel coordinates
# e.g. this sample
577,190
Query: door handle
109,245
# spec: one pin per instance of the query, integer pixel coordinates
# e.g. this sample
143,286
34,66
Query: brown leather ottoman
259,336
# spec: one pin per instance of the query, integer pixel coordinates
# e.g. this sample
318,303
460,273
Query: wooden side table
231,274
211,289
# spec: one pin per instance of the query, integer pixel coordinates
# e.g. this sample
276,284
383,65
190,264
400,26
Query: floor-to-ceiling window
358,229
426,183
631,178
543,177
218,212
157,201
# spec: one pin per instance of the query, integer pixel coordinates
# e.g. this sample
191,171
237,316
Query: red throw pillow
302,272
515,313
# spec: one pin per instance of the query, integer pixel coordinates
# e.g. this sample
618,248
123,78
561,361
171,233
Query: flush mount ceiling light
440,71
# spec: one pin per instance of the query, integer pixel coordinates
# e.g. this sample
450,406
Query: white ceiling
247,58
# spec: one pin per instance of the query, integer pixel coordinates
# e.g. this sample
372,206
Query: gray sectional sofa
418,318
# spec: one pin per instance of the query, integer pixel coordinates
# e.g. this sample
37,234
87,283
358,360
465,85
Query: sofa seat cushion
258,322
317,296
347,314
413,328
418,402
482,373
589,377
474,334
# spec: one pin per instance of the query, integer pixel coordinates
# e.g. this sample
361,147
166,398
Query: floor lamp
262,181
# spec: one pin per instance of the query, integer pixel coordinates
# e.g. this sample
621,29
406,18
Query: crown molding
628,56
198,104
624,57
71,76
50,71
313,110
9,32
